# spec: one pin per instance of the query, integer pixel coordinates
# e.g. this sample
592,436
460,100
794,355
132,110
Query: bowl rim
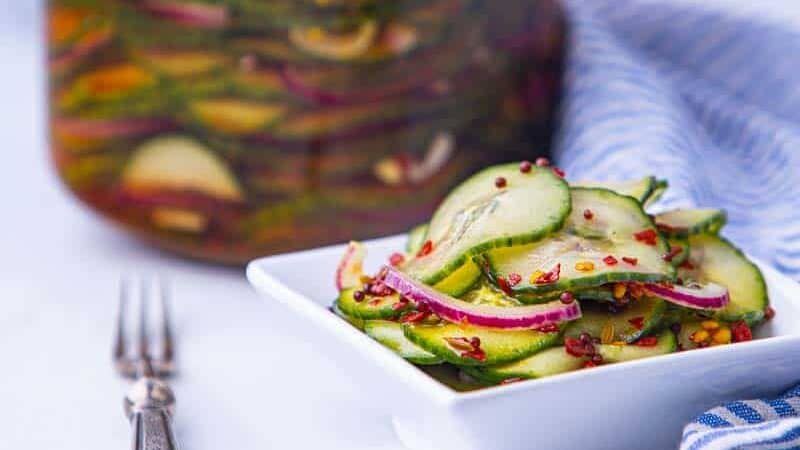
270,285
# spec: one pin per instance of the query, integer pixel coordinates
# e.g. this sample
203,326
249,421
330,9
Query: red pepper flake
674,250
542,162
551,276
631,261
396,259
500,182
400,304
637,322
558,172
414,317
588,214
566,297
511,380
478,354
503,285
647,236
610,260
589,364
525,166
741,332
649,341
769,313
514,279
686,265
374,302
426,249
549,328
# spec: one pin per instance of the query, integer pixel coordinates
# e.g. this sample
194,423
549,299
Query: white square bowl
635,405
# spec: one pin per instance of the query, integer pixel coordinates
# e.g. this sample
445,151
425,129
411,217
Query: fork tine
118,352
166,332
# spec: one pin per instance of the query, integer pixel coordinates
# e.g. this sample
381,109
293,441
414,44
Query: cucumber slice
599,294
658,191
354,321
416,238
683,255
552,361
460,281
685,222
370,307
717,260
390,334
641,189
610,231
556,360
498,345
478,216
628,324
666,343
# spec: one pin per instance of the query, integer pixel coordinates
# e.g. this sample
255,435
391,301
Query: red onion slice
700,296
455,310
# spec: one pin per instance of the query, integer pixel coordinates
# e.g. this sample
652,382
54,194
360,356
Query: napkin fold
749,424
711,102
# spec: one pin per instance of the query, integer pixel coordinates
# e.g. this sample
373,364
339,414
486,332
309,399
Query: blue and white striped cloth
711,103
708,101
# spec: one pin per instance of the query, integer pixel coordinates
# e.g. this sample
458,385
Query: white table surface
250,376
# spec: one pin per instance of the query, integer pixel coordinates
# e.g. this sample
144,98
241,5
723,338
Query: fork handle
152,430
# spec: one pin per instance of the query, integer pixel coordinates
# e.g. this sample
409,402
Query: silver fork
150,403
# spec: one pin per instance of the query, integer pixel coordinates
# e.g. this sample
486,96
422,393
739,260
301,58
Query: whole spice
588,214
560,173
566,297
542,162
358,296
500,182
525,166
769,313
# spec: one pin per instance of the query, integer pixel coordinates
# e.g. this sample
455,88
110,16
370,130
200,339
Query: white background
250,378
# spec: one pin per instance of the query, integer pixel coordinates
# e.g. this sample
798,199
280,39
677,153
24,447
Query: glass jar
229,129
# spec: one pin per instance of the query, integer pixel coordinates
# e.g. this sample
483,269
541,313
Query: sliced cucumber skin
745,282
708,220
641,189
390,334
354,321
596,317
666,271
552,361
416,238
556,360
363,310
656,194
432,274
500,346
